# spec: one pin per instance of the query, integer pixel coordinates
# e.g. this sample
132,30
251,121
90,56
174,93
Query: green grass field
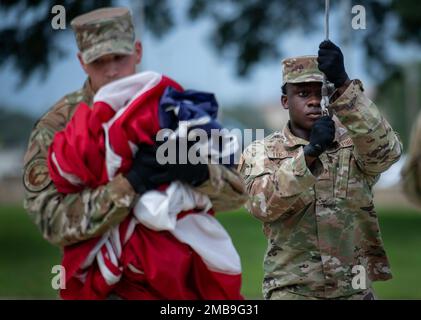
26,259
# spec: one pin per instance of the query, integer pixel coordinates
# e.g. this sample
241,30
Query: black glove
321,137
331,63
147,173
193,174
144,170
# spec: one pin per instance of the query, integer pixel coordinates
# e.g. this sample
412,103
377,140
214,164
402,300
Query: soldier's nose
111,72
315,103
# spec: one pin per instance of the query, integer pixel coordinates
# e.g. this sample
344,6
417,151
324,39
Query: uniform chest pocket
342,173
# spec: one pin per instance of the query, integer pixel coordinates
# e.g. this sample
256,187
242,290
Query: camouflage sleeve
67,219
224,187
411,172
376,145
274,186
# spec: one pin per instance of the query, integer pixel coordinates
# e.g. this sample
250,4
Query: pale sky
184,54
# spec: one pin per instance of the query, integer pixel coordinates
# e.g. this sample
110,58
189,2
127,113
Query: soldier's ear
284,101
79,56
138,51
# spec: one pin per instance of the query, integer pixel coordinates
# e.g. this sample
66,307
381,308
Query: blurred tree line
15,127
399,97
247,32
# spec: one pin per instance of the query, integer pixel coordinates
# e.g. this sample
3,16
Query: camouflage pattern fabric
284,294
320,223
301,69
104,31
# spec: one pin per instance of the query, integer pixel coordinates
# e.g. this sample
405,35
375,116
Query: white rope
324,103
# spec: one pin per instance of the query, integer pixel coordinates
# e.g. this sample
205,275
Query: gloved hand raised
331,63
321,137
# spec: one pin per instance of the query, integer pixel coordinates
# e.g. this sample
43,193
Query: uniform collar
88,92
290,141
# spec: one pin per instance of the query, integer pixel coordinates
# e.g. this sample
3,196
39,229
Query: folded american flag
171,246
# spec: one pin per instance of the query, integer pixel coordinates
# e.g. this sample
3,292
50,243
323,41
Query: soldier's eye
302,93
98,63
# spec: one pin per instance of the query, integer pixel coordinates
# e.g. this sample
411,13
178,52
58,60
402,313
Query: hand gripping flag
170,246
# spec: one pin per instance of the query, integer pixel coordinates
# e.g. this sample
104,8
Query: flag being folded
171,246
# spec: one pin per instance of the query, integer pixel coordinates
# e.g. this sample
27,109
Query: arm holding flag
68,219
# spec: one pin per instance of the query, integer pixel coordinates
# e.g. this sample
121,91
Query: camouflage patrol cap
104,31
301,69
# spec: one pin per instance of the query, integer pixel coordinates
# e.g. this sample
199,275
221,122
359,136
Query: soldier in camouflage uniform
411,172
311,185
108,51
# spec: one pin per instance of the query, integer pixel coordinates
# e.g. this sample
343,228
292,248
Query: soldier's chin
307,125
311,121
111,80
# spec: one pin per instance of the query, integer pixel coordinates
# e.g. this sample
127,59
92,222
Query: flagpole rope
324,103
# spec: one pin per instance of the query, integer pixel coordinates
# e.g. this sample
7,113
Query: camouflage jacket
67,219
411,172
321,223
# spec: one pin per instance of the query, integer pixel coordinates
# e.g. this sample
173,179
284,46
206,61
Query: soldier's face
302,100
112,67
